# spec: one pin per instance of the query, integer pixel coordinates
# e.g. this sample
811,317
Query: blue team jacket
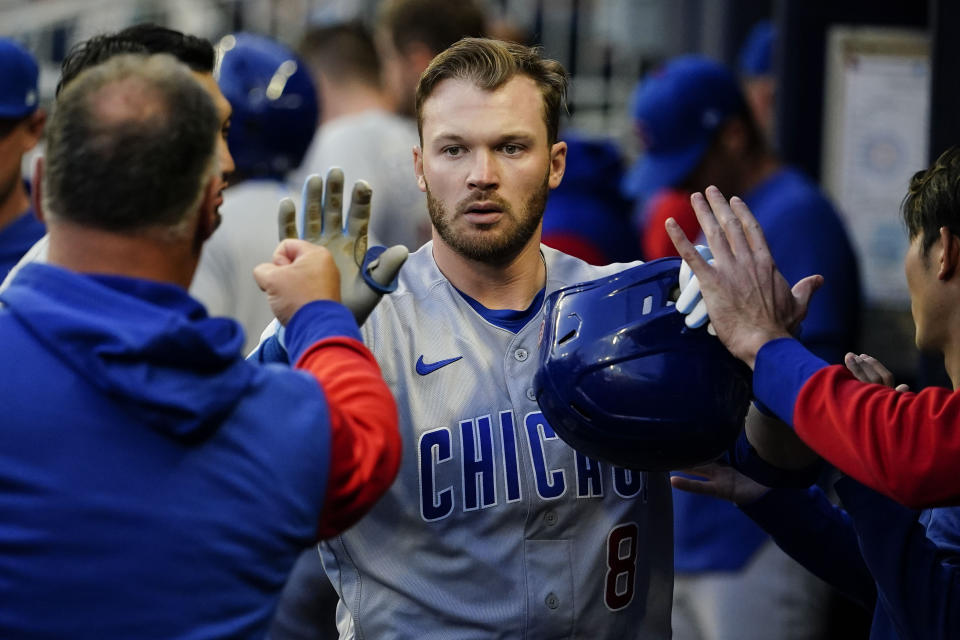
17,238
153,484
879,553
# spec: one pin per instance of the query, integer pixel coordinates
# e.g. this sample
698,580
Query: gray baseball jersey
494,528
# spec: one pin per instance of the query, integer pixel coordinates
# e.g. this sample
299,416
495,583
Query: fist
299,273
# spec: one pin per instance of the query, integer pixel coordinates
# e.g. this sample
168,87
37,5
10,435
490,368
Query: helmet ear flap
623,380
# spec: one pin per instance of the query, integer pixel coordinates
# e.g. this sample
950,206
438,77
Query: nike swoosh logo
423,368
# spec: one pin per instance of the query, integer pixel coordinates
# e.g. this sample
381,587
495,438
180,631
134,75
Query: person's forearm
365,444
776,442
904,445
746,459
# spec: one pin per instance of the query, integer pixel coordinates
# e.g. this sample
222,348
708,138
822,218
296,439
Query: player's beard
493,243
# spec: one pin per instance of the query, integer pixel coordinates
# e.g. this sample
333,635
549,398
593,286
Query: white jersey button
552,600
520,355
531,394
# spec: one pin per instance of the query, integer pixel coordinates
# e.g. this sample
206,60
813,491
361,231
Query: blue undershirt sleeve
311,323
315,321
781,368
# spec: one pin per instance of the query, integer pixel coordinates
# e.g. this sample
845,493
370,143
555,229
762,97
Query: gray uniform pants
771,598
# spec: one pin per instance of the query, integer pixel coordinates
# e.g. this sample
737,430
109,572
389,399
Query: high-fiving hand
365,274
749,302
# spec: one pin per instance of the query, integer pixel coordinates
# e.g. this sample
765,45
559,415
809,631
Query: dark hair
434,23
933,199
130,145
490,64
196,53
342,51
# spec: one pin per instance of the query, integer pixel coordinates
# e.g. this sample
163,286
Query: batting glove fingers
691,303
365,275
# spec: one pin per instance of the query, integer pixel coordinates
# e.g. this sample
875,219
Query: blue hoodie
153,484
17,238
884,556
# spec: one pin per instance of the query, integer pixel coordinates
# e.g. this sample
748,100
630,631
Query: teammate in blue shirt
21,125
154,484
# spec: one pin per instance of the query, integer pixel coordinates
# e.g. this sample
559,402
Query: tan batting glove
365,274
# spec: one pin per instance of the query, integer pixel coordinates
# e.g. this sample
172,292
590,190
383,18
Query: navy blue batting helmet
622,380
274,104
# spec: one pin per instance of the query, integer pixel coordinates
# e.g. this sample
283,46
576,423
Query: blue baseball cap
756,54
677,110
18,80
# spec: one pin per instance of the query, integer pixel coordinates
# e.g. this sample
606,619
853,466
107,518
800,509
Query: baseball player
495,528
21,127
154,484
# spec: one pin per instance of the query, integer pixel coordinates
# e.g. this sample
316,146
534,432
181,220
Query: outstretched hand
748,300
868,369
365,275
720,481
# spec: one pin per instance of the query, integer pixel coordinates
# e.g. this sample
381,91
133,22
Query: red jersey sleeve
905,445
365,444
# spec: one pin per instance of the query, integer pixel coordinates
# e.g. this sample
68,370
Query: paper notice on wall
878,111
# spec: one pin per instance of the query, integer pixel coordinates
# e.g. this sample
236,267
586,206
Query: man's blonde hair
490,64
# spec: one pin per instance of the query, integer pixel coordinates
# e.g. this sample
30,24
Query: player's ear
558,163
418,167
949,254
36,188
